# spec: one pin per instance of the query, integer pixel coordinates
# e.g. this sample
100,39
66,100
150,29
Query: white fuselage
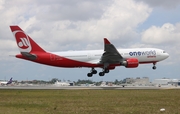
144,55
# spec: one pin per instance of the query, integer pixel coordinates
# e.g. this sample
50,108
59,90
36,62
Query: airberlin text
149,54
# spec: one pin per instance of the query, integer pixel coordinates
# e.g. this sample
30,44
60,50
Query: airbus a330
107,59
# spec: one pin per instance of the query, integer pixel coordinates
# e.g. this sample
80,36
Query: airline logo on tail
22,41
9,82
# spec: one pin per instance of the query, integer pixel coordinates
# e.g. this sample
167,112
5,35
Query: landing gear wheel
89,74
154,67
101,74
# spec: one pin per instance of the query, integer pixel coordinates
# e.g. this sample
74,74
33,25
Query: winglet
106,41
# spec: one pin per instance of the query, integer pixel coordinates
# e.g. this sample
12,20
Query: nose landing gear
154,66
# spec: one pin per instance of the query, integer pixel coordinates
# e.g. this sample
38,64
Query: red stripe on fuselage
58,61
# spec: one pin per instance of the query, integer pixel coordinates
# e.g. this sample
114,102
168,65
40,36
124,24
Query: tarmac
89,87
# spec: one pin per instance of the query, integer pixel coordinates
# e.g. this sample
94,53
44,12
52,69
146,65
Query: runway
89,87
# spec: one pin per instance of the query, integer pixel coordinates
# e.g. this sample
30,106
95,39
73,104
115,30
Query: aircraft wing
110,55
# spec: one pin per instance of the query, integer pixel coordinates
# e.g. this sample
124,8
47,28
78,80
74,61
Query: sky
63,25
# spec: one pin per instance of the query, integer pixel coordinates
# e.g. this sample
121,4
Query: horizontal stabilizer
29,56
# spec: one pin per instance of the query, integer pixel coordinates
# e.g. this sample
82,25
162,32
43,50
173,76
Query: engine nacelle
130,63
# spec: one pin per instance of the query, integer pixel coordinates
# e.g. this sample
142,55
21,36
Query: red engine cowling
131,63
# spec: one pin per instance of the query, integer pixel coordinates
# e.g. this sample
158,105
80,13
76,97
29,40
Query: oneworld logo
22,41
143,53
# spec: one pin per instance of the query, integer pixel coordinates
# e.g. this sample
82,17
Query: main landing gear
154,66
93,71
103,72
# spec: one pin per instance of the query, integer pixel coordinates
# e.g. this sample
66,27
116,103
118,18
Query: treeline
79,82
117,82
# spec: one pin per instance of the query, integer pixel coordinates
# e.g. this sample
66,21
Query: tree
116,82
53,80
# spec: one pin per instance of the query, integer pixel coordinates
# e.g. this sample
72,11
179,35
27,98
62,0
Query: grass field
89,101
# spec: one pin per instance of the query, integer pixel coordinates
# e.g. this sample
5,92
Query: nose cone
166,55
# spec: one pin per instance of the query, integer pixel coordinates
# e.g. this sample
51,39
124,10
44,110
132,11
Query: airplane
107,59
9,82
5,82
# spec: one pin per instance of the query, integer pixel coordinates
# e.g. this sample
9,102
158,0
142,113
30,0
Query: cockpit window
164,51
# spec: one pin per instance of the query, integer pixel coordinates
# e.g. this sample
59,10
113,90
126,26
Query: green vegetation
89,101
79,82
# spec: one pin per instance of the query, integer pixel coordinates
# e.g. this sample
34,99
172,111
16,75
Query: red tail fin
24,42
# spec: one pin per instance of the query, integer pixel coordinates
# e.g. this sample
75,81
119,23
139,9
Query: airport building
137,81
167,81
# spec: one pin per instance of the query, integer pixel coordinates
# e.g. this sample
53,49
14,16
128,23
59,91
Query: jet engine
130,63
